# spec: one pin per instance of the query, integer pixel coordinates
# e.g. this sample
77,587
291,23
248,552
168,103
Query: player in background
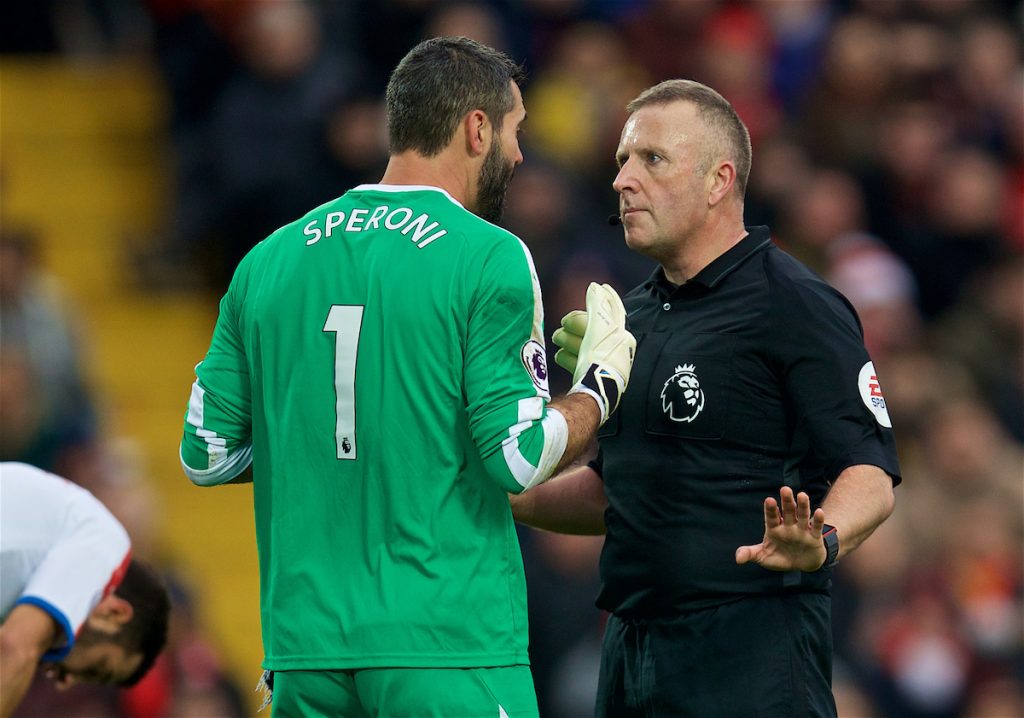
70,595
380,364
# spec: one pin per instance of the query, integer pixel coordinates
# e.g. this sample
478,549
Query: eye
653,158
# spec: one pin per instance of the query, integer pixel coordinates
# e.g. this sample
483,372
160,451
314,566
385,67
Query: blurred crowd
888,155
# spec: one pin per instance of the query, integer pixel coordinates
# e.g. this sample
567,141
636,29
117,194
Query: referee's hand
792,535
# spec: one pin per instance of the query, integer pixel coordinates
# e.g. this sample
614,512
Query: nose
624,180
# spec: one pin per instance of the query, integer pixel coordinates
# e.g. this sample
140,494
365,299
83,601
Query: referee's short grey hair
716,111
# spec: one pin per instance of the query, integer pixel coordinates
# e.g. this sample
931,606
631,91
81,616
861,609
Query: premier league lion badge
681,397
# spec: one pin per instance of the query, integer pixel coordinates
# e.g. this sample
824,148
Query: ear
722,179
110,614
478,129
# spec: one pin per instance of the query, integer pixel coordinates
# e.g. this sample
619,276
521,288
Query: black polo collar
719,268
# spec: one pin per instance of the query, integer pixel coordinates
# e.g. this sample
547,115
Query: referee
752,451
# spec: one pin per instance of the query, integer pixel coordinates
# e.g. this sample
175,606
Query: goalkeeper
380,364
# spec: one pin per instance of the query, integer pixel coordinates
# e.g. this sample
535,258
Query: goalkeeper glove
568,338
596,347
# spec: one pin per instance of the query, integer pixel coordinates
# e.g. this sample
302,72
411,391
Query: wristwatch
830,538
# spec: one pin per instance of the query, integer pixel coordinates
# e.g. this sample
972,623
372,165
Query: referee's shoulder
797,289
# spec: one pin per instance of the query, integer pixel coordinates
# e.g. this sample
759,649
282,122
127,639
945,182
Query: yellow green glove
597,348
569,337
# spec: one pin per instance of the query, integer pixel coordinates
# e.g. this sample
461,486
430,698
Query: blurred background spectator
888,154
47,413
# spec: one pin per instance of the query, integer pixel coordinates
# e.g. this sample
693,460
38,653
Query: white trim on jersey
222,466
556,436
537,330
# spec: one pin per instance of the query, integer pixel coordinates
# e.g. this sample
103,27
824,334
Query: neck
719,234
412,168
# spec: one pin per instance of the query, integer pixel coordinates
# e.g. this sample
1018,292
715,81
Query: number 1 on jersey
345,321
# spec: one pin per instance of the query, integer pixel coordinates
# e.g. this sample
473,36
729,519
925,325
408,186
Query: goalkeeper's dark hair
733,138
146,632
438,83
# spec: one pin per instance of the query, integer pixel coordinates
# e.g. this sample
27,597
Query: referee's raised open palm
792,535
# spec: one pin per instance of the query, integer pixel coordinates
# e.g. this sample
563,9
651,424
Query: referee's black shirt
750,376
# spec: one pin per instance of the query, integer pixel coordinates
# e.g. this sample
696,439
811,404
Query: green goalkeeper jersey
380,362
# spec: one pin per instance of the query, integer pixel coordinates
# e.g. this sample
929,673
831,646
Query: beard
88,637
495,177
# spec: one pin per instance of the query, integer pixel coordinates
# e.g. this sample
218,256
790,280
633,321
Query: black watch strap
831,540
